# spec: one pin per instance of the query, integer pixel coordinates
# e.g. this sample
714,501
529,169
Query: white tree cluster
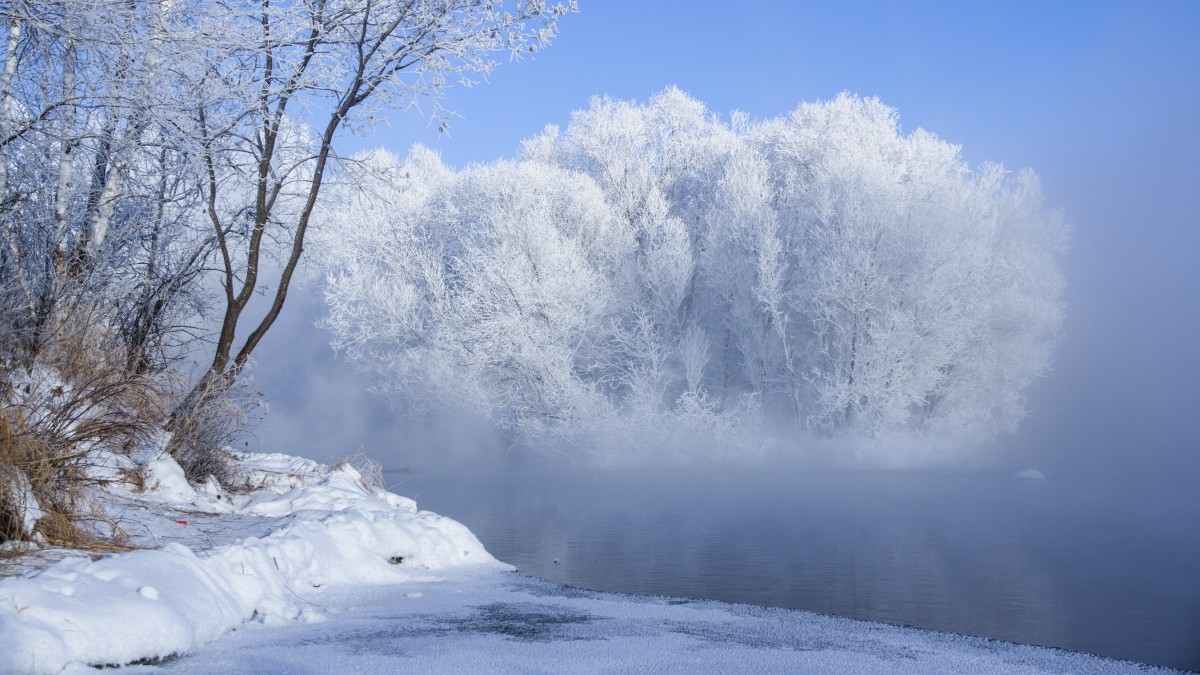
653,269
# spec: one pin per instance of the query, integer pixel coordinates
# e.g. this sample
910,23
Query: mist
1117,403
1107,123
1121,399
317,406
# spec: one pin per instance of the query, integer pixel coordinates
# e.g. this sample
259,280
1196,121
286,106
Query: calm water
1083,567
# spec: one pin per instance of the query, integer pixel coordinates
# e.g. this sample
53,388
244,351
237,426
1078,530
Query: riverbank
318,569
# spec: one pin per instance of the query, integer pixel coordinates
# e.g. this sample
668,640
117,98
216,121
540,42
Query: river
1081,566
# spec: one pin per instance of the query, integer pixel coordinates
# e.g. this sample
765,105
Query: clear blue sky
1005,79
1102,99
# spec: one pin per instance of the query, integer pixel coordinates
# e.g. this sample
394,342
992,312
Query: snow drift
319,526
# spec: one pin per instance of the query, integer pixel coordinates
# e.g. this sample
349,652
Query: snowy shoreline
312,526
314,552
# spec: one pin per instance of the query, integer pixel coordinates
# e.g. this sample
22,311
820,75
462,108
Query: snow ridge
321,527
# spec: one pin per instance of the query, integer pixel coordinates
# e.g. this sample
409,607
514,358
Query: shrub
205,424
58,406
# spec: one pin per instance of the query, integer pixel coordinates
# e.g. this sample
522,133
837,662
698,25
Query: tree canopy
653,274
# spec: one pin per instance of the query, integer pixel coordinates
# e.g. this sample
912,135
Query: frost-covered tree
275,86
896,246
823,269
94,188
153,152
498,282
655,165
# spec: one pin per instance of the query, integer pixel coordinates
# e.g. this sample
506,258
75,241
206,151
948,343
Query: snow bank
320,527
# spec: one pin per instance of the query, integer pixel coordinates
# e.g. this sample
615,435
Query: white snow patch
165,480
29,511
320,527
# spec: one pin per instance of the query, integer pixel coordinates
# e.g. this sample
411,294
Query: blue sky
1101,99
1001,78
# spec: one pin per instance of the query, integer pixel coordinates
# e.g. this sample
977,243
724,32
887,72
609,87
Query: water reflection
1037,562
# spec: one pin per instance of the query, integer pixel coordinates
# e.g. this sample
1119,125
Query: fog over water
1054,563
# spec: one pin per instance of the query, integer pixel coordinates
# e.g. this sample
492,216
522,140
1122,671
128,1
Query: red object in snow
182,522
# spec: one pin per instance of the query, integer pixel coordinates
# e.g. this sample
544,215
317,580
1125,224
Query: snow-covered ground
317,571
220,561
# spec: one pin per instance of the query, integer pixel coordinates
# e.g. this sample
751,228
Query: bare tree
147,143
275,92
